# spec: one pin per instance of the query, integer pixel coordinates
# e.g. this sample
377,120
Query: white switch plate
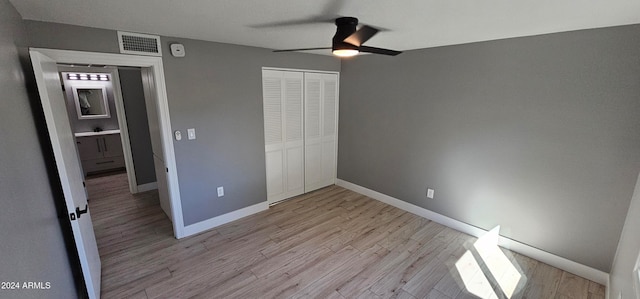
178,135
220,191
430,193
191,133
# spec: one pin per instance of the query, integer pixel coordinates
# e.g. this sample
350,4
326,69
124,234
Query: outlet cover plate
430,193
220,191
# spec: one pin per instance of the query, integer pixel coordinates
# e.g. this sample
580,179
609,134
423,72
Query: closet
301,131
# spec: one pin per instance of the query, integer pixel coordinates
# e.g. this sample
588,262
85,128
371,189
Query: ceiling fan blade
379,51
302,49
313,20
362,35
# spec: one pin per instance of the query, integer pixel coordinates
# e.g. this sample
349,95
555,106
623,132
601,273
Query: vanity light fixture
88,77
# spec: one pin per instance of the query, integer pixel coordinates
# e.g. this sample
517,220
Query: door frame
124,131
162,105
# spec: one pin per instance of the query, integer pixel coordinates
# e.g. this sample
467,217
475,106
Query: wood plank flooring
330,243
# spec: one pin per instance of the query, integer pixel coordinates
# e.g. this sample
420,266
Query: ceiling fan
348,41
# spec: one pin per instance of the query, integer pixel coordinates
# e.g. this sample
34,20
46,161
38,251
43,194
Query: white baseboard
202,226
535,253
148,187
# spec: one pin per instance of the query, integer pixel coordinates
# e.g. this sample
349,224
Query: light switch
191,133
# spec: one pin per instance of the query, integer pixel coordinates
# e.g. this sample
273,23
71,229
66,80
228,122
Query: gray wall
215,89
622,279
137,123
31,240
536,134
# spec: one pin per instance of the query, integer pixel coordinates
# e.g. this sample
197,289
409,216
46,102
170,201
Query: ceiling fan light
345,52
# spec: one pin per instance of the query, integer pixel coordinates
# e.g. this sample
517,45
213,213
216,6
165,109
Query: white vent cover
140,44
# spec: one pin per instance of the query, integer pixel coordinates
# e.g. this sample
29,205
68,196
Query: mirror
91,102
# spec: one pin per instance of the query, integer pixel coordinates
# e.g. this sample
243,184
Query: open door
68,166
156,141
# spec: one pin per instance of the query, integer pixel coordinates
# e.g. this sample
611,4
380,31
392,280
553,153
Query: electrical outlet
220,191
430,193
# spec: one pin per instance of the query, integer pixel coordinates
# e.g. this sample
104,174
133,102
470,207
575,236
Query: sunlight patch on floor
486,271
474,280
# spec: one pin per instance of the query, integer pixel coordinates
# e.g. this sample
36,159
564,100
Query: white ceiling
410,24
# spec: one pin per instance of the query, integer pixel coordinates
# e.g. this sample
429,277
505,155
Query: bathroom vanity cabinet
100,151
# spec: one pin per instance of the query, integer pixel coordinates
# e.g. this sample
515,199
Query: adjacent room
325,149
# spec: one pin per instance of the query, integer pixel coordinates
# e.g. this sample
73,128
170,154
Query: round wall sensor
177,50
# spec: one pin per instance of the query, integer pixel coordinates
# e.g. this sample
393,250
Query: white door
321,130
283,129
68,165
156,142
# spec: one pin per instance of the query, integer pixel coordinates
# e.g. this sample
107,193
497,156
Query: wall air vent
139,44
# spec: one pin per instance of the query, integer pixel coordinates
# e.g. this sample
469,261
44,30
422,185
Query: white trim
535,253
147,187
124,131
155,63
267,68
208,224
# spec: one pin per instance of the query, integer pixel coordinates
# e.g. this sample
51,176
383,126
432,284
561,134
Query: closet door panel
273,133
272,108
321,108
330,105
295,170
328,163
283,125
313,166
329,128
294,139
313,108
313,131
275,173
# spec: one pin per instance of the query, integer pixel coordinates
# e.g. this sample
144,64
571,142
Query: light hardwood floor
330,243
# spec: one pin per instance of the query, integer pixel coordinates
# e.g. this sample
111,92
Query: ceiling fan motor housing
345,27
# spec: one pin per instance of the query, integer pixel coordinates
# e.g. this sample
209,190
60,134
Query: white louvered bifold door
321,130
283,133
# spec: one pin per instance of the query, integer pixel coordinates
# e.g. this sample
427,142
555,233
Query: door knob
80,212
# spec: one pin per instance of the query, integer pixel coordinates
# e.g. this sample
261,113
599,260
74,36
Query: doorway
108,116
45,63
107,111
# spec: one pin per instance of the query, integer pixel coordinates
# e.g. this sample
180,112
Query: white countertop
105,132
